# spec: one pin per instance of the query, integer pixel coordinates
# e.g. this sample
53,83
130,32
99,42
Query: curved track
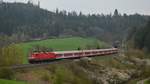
42,64
37,65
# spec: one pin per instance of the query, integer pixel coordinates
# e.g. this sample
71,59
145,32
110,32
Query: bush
11,55
145,71
6,73
147,82
46,77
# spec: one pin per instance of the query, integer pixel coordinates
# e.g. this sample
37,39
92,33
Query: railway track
22,66
28,65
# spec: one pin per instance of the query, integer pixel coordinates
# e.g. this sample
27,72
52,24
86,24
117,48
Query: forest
24,22
139,37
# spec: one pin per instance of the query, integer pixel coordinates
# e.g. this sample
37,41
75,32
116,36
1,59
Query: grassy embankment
61,44
2,81
147,82
144,72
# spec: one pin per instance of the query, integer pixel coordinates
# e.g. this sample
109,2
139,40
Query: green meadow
61,44
2,81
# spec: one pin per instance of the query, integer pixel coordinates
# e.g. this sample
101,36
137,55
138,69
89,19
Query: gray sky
96,6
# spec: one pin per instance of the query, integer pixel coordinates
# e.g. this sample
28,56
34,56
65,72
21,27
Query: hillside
26,28
18,19
112,69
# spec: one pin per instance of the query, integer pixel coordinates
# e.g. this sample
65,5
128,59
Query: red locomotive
47,56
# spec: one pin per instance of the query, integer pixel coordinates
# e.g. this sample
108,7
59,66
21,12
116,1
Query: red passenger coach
47,56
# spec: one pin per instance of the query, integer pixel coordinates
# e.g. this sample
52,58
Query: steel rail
21,66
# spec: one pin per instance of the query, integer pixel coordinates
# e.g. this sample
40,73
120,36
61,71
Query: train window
59,54
77,53
36,54
94,52
68,54
102,52
87,52
99,51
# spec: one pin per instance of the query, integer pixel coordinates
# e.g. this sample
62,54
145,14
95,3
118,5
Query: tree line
140,37
24,22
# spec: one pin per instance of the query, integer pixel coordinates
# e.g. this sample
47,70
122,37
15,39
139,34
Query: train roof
77,51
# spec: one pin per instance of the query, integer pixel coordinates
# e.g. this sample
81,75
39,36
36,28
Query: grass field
2,81
61,44
147,82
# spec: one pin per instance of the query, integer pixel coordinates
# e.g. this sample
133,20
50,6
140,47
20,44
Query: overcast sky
95,6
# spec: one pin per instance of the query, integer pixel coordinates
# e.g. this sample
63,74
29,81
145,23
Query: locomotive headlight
31,57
